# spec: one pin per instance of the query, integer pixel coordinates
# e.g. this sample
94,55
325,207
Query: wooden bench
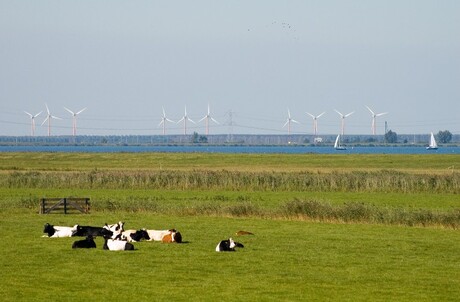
68,205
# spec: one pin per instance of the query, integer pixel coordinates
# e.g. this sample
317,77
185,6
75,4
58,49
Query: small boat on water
433,145
337,144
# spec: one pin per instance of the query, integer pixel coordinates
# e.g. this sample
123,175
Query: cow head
231,243
177,237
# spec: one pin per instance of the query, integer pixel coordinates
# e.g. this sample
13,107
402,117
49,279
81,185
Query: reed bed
353,212
382,181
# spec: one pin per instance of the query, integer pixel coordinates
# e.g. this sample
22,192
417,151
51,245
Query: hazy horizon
251,61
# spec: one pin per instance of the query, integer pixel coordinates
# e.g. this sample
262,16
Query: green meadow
326,227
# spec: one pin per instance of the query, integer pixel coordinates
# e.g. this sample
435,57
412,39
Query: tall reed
355,181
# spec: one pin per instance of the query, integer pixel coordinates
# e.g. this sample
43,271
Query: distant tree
195,138
391,137
444,137
203,139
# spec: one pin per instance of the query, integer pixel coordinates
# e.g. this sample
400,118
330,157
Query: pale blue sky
125,60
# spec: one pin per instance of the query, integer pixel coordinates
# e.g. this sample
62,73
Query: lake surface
233,149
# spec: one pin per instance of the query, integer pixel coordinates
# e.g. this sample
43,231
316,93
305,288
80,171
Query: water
233,149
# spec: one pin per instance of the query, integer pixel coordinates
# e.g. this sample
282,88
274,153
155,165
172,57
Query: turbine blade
312,116
339,113
212,119
295,121
71,112
370,110
349,114
287,122
47,109
38,114
81,110
31,116
321,114
380,114
45,120
202,119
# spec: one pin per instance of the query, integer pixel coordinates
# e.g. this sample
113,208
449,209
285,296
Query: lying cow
117,245
59,231
165,235
85,231
116,229
228,245
85,243
133,235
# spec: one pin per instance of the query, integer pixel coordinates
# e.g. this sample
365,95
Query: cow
165,235
133,235
116,229
117,245
84,231
227,245
59,231
85,243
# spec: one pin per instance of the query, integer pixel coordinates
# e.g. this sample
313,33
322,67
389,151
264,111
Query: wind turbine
208,117
315,122
74,119
374,117
288,122
48,118
164,119
185,118
32,122
343,117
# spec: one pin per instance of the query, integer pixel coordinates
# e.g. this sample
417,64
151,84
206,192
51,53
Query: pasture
353,255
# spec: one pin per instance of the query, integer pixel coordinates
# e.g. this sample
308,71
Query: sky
250,61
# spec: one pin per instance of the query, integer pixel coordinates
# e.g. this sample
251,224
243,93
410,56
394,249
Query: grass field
292,256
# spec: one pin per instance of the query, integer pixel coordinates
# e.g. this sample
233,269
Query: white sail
433,145
337,145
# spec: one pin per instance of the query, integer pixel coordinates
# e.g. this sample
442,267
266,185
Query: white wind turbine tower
288,122
185,118
315,122
74,119
374,117
49,117
32,122
343,117
164,119
208,117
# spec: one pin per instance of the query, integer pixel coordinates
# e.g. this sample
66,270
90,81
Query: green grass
285,260
208,197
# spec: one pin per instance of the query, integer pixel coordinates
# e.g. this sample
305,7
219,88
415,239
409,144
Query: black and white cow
116,229
59,231
85,243
133,235
117,245
84,231
227,245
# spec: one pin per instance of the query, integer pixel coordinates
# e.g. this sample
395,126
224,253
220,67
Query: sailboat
337,145
433,145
